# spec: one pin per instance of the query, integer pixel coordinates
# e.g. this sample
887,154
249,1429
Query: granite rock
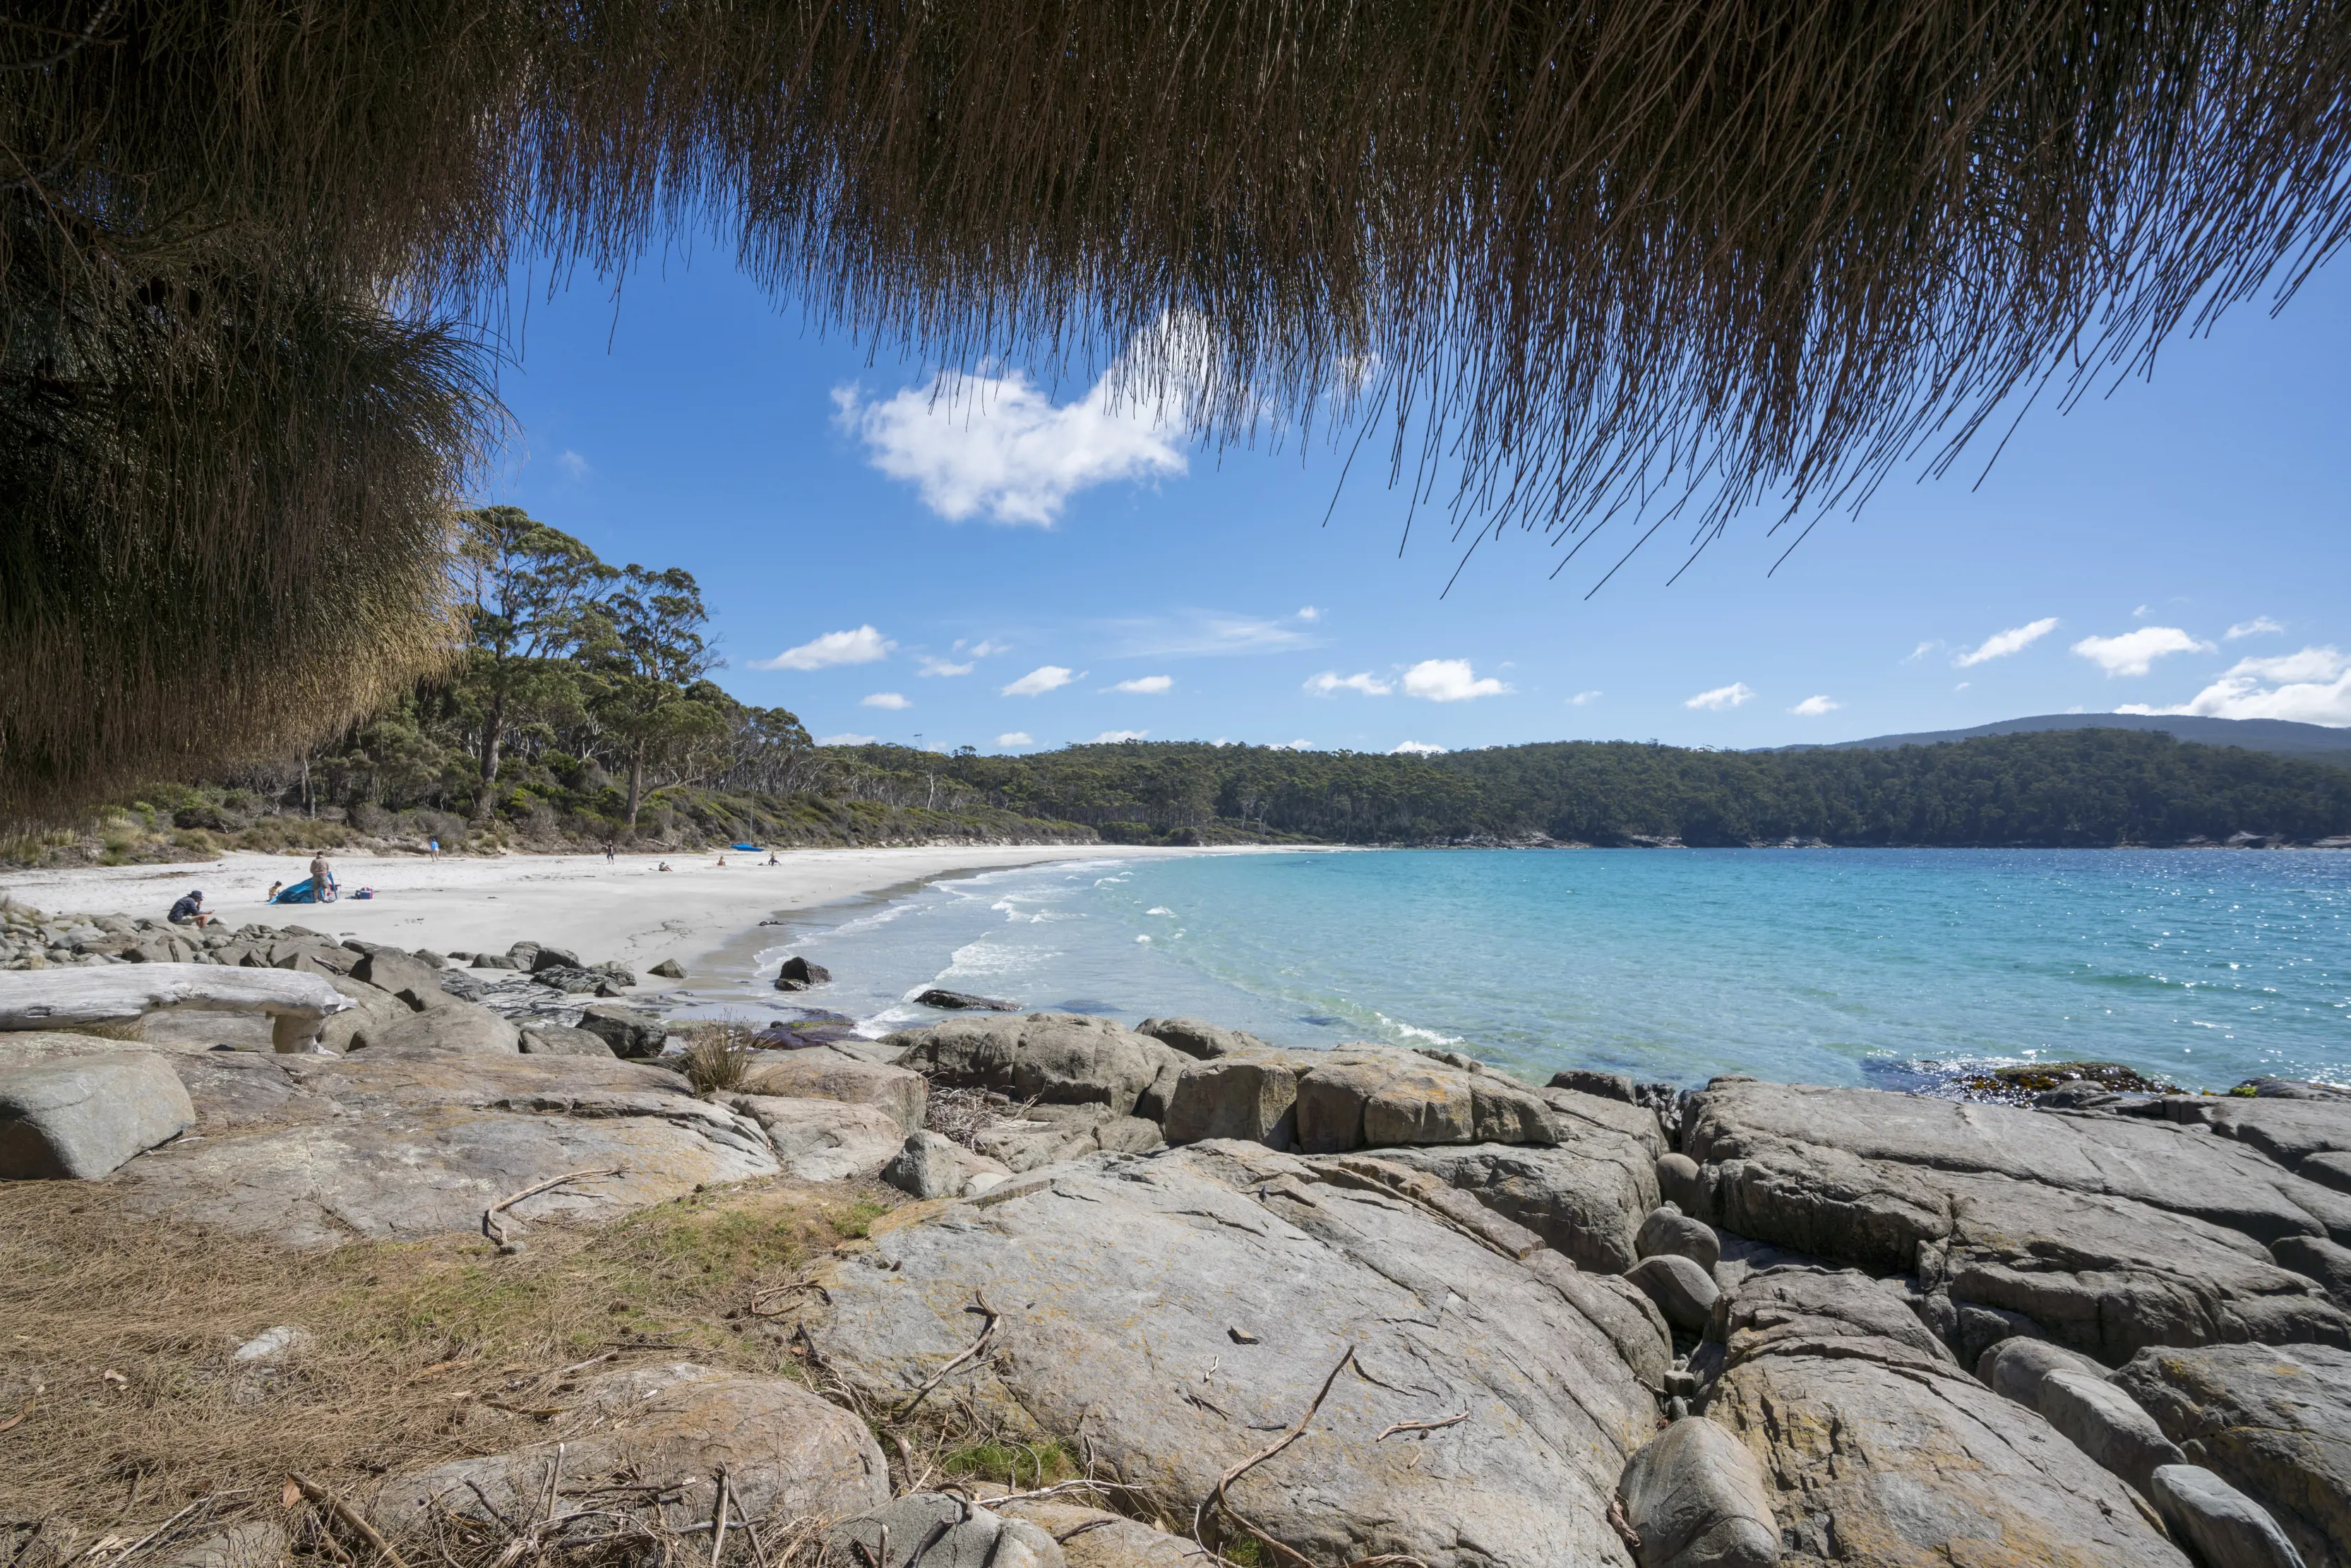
1060,1059
902,1094
82,1117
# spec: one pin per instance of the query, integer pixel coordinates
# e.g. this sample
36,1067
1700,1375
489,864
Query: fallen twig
718,1521
18,1418
1453,1420
757,1310
1217,1494
335,1505
165,1528
1622,1526
987,1329
497,1233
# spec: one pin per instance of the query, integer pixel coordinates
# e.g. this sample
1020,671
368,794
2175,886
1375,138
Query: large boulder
414,1144
1062,1059
931,1165
372,1006
1195,1037
785,1454
2309,1136
2226,1527
2106,1424
413,982
1697,1498
630,1032
2274,1421
1882,1451
1168,1314
2108,1233
464,1029
824,1140
1373,1097
543,1038
1251,1097
828,1075
81,1117
1585,1198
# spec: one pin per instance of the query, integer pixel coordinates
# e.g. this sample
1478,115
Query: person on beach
772,859
664,865
271,896
189,911
722,863
433,849
322,879
607,855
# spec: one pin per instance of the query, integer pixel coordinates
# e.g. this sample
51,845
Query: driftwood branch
1438,1425
336,1506
497,1233
299,1003
979,1304
1217,1499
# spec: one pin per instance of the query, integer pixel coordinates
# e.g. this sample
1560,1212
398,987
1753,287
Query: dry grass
719,1055
120,1333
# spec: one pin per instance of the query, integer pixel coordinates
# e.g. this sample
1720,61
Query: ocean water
1884,967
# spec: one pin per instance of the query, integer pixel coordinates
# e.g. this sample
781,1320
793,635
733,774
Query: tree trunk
636,781
494,729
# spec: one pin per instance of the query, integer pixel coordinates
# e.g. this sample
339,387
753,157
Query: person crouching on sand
189,911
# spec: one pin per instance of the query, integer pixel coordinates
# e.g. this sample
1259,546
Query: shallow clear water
1836,967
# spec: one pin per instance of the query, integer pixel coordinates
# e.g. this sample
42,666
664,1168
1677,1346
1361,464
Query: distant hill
2310,742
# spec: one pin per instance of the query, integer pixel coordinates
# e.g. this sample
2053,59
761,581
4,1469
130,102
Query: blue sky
1044,572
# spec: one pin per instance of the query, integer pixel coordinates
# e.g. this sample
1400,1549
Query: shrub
719,1055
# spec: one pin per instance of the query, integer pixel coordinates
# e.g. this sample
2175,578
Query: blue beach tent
300,893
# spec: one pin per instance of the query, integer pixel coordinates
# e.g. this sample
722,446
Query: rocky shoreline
1325,1307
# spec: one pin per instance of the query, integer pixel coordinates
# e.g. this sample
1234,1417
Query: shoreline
626,911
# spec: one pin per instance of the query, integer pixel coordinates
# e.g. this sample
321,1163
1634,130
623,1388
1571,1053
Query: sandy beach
627,910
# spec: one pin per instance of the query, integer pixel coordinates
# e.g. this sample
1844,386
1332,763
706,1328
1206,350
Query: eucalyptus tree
646,641
531,590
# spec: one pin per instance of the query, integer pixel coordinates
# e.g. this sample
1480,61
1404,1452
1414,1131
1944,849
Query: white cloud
934,665
1723,698
1812,708
2313,686
1001,445
862,646
1290,746
846,739
891,700
1330,683
1415,749
1963,685
1920,652
1583,699
1207,633
2000,644
2253,628
2142,613
1043,678
2133,653
1449,681
1112,737
987,649
574,466
1308,612
1017,738
1147,684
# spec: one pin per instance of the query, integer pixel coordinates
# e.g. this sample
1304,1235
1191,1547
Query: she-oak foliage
1599,257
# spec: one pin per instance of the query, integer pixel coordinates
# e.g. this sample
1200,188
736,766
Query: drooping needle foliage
1619,258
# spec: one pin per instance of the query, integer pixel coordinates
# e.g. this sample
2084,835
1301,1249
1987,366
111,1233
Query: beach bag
364,893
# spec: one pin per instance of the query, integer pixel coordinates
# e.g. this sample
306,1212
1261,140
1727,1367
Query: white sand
627,911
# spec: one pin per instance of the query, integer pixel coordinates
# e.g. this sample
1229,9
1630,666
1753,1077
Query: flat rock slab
824,1140
2274,1421
1880,1451
787,1454
340,1149
2109,1233
823,1076
1171,1313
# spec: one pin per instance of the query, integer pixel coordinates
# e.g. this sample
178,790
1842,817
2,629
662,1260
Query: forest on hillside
580,711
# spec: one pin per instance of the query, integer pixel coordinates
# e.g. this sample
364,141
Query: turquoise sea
1886,967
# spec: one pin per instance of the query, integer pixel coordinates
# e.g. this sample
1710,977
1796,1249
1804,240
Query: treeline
2059,788
581,710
